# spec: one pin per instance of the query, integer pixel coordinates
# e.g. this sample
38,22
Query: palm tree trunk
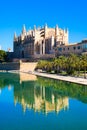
85,73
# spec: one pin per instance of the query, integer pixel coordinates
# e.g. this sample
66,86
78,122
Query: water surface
34,103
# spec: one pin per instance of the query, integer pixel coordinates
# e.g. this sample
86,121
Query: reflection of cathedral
39,42
41,99
41,94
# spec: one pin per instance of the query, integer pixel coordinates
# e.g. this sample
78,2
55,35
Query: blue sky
71,14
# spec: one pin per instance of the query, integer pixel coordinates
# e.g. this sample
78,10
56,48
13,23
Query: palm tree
84,63
57,65
60,64
49,66
78,65
71,64
41,65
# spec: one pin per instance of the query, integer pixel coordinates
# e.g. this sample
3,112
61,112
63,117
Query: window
42,41
64,49
85,46
74,47
78,47
17,44
59,49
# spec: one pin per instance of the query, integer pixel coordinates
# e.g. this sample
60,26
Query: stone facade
75,48
39,42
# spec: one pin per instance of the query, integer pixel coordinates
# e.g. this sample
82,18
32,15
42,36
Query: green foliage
3,55
71,65
84,63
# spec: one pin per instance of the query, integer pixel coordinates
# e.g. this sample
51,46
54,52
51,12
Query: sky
71,14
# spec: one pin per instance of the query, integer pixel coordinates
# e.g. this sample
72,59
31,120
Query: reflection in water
27,77
41,94
0,91
9,87
41,99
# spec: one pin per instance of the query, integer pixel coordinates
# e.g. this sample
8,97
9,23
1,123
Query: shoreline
70,79
76,80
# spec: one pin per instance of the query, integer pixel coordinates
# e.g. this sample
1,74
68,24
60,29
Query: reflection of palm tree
65,89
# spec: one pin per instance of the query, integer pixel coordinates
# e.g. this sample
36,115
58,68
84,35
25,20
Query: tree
71,64
3,55
84,63
78,65
60,64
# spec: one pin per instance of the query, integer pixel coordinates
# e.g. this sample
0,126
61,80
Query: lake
28,102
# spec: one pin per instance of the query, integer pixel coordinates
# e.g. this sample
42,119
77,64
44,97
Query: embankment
19,66
63,78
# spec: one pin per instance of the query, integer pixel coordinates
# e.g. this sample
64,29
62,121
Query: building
39,42
75,48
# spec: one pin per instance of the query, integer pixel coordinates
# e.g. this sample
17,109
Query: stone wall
10,66
28,67
45,56
24,67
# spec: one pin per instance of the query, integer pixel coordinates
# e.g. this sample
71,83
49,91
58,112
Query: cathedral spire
56,25
57,30
15,36
24,30
45,25
45,30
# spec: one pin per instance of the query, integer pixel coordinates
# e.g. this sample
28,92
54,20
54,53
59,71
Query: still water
33,103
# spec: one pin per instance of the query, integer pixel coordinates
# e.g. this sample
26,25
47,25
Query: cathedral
39,42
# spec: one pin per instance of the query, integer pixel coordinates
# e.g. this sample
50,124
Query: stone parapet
23,67
10,66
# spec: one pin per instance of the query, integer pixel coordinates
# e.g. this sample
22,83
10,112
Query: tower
15,36
24,33
66,36
57,35
24,30
67,32
45,30
34,27
56,31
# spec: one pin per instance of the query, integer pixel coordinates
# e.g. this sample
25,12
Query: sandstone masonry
39,42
